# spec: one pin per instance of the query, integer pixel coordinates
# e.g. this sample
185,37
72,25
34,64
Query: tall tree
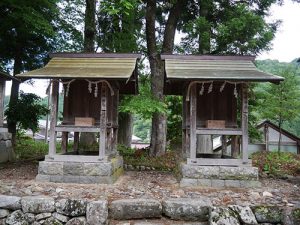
158,131
90,26
26,32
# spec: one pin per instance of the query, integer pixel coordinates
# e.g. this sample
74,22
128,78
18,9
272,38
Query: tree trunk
12,126
159,124
89,139
90,26
235,147
125,129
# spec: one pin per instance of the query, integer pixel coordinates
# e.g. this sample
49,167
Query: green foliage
277,164
28,149
281,102
174,118
167,162
26,112
141,128
144,104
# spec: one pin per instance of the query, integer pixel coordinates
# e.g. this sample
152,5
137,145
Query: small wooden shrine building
92,84
215,103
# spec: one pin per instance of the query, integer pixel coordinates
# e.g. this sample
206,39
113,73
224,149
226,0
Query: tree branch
169,35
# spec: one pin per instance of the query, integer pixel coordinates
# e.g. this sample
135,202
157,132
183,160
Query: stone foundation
6,150
219,176
81,172
47,210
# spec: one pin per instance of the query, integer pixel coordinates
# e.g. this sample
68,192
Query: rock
3,213
245,214
268,214
2,222
196,209
267,194
37,204
135,209
51,221
30,217
17,218
97,212
10,202
60,217
223,216
42,216
71,207
77,221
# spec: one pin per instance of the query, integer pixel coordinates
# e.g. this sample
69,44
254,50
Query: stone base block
6,150
219,176
81,172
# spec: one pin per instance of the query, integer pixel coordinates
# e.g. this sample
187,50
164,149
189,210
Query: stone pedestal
6,150
81,172
219,176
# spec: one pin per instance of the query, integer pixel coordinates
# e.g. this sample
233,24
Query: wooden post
103,121
76,142
266,130
2,96
64,142
53,117
224,145
245,122
193,125
235,147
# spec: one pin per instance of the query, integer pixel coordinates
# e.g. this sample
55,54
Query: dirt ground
18,179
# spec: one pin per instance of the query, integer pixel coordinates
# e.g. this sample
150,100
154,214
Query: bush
277,164
28,149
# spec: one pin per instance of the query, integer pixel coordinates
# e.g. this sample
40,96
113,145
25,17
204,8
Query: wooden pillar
245,122
193,120
53,117
235,146
103,121
64,142
224,145
266,131
115,120
2,96
76,142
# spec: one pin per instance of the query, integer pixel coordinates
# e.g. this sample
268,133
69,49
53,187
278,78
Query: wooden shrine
91,84
215,104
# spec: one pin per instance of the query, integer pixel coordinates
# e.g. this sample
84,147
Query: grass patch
28,149
277,164
167,162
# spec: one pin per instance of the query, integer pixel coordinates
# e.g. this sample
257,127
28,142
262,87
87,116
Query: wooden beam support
76,142
53,117
245,123
193,125
103,122
64,142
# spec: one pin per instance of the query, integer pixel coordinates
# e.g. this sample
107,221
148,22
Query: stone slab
37,204
71,207
188,209
135,209
10,202
97,212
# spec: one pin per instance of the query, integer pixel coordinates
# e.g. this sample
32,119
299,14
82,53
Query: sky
285,46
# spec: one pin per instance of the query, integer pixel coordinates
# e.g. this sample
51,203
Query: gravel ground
18,179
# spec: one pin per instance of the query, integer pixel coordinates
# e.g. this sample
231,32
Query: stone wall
81,172
45,210
6,150
219,176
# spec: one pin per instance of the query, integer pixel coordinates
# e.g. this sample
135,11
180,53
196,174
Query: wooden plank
245,122
84,121
103,122
95,55
64,142
208,57
76,142
73,158
193,116
70,128
226,131
2,96
218,162
53,117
